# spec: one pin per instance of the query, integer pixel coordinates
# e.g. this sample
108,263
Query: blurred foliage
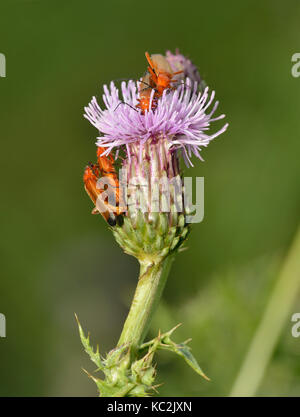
57,259
222,319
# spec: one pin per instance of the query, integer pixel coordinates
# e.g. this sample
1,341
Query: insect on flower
159,78
92,178
145,95
161,73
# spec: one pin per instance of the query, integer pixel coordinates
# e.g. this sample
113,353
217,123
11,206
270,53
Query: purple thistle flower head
182,117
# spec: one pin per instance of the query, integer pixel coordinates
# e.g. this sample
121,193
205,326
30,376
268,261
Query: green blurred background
57,259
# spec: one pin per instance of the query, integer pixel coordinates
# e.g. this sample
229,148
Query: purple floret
182,116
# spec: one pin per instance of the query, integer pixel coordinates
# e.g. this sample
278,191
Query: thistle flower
148,219
182,117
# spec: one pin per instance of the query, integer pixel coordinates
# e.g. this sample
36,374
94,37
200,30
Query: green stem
148,292
274,319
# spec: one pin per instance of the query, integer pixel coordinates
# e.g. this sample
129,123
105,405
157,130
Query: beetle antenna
127,104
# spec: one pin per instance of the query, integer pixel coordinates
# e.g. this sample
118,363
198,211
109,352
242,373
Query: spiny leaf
184,351
156,341
163,341
94,355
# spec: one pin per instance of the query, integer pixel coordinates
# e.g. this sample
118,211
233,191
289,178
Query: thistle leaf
94,355
163,341
184,351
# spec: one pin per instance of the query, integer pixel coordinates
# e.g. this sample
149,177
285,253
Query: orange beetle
145,94
92,174
159,77
161,73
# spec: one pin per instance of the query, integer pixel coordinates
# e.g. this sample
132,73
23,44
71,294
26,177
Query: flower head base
181,115
155,224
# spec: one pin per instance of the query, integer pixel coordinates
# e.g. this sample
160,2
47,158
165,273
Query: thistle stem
147,295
